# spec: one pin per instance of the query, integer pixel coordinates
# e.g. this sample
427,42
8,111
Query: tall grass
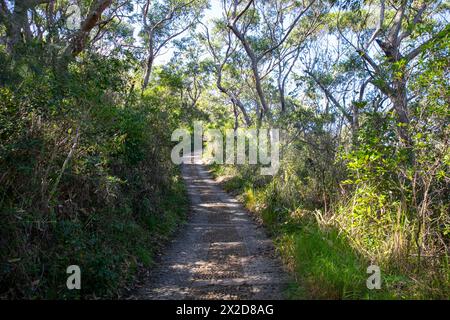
328,252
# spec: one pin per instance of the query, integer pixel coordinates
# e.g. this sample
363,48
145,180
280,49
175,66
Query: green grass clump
330,266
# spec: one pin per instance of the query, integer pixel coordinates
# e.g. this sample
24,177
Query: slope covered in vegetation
86,175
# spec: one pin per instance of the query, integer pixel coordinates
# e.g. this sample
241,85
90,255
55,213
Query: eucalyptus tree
389,36
339,73
224,50
264,29
163,21
189,61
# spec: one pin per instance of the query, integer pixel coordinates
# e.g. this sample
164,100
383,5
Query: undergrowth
322,257
86,177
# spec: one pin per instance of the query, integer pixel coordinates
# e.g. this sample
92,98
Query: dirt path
219,254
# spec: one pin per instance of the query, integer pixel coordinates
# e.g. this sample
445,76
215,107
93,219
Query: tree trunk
234,99
150,60
17,23
237,102
148,72
400,103
259,89
254,64
236,119
282,97
80,39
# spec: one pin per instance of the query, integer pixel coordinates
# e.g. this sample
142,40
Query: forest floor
220,253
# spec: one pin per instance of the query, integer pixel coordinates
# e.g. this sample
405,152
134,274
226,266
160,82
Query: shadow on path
220,252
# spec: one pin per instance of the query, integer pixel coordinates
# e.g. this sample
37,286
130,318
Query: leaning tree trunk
148,72
150,60
79,41
282,97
